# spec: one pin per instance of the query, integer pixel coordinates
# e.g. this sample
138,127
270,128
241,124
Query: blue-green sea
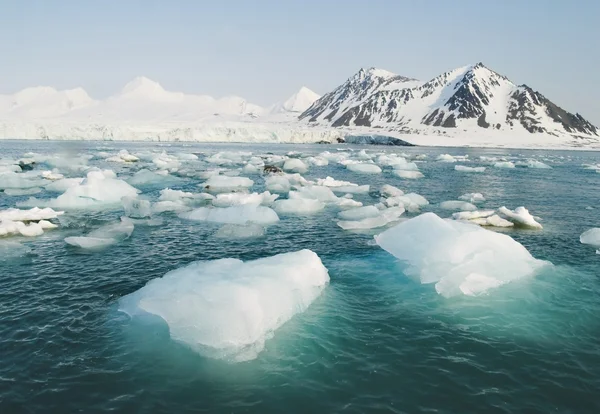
374,341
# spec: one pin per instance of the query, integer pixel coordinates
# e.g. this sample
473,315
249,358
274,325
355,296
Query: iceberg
227,309
460,258
504,164
390,191
472,197
34,214
277,184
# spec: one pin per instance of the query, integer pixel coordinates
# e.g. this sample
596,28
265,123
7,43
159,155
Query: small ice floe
472,197
238,199
277,184
520,217
317,161
233,215
457,205
123,157
225,184
34,214
390,191
464,168
343,186
247,301
591,237
461,259
60,186
504,164
445,158
299,206
534,164
485,218
104,236
409,174
359,213
411,202
385,217
147,178
295,165
136,207
52,175
100,189
364,167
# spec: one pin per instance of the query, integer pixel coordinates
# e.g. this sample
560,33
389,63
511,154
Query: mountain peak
143,86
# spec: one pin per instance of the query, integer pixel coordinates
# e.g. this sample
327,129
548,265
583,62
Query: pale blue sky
264,50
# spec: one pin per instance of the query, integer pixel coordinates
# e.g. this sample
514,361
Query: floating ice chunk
445,158
408,174
13,192
359,213
150,178
224,184
47,225
390,191
186,156
536,164
166,162
317,161
244,231
504,164
472,197
233,215
364,168
123,157
295,165
227,309
591,237
492,221
457,205
34,214
277,184
520,217
104,236
332,182
175,195
411,202
10,180
315,192
348,203
239,199
385,217
60,186
355,189
464,168
471,215
100,189
298,206
52,175
402,164
297,179
460,258
136,208
13,228
251,169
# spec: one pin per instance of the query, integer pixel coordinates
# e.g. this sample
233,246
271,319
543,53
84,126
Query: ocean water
374,341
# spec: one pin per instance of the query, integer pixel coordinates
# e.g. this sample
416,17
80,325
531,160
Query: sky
265,50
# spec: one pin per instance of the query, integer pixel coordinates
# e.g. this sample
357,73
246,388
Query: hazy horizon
265,51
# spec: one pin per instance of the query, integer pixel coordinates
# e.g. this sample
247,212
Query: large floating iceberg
227,308
460,258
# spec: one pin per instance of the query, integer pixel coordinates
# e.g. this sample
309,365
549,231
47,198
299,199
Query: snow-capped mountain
42,102
298,102
470,98
140,100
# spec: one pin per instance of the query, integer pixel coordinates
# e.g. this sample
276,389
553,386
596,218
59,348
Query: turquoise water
374,341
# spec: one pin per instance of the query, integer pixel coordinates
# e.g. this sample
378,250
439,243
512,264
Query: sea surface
373,341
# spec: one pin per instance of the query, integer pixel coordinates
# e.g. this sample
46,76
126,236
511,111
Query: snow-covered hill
470,99
298,102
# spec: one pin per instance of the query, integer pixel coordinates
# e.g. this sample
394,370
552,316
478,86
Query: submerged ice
227,309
